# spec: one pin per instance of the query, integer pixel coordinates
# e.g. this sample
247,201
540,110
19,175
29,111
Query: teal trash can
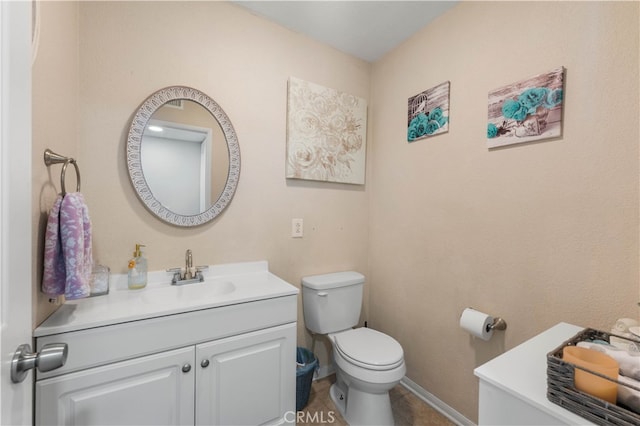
306,365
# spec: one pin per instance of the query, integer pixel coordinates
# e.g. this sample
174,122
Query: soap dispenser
137,270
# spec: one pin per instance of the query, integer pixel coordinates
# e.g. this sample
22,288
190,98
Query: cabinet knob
204,363
186,368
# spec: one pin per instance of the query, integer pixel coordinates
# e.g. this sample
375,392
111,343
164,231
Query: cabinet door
247,379
150,390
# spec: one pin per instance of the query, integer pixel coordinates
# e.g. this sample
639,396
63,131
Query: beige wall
128,50
537,233
55,123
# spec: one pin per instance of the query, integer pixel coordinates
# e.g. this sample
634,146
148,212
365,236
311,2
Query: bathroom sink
223,285
205,289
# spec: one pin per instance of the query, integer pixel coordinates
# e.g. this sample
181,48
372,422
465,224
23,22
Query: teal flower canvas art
526,111
428,113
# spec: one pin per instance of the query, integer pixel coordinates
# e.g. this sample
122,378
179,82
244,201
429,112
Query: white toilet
368,363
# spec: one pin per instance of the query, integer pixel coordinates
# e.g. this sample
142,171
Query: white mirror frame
134,163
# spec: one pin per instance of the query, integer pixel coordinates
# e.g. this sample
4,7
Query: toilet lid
369,349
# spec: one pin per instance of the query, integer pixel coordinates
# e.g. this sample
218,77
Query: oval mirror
183,156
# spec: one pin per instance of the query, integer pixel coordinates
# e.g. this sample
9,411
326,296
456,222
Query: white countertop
224,285
522,371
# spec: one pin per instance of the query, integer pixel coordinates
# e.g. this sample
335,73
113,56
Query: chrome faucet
188,260
190,274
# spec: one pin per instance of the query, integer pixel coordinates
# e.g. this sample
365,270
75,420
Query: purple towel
67,248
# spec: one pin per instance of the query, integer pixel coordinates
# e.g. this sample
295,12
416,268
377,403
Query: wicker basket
561,390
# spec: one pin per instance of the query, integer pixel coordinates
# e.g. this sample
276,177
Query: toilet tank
332,302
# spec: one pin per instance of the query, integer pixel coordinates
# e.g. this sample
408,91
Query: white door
15,205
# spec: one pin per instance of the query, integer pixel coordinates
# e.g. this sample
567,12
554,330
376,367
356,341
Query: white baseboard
436,403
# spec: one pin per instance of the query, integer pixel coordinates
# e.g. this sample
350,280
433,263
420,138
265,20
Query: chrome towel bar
51,157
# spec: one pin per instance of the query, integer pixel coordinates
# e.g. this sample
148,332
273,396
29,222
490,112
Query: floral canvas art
326,134
526,111
428,113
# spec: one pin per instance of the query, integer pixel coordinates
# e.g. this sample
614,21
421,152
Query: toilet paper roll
622,325
477,323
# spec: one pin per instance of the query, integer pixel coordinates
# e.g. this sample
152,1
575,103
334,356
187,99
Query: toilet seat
369,349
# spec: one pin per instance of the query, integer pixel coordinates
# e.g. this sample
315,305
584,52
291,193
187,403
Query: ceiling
364,29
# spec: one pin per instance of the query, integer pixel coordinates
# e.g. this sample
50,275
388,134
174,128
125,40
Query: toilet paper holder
498,324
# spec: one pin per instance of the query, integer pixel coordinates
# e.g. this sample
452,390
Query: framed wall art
326,134
529,110
428,113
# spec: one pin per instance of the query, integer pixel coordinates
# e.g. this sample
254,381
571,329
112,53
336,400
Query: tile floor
407,408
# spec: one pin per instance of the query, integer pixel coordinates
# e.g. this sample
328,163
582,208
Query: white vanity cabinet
513,386
222,360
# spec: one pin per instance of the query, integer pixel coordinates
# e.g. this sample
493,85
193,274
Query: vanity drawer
103,345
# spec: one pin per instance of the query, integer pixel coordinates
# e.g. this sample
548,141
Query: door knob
50,357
